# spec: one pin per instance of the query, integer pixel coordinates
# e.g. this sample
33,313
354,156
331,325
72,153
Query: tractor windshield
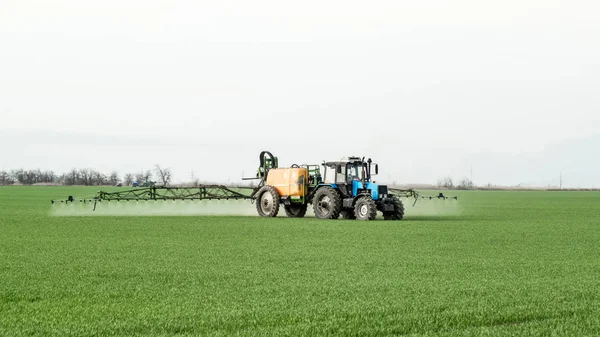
344,173
355,171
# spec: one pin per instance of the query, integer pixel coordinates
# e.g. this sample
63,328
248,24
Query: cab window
354,172
330,174
340,174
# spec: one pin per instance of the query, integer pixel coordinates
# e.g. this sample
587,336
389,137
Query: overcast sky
426,88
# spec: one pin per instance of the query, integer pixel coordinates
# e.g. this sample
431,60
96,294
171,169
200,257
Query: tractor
345,189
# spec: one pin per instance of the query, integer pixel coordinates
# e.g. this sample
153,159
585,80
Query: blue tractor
347,190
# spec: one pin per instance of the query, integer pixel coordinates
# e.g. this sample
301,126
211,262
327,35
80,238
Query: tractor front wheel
327,203
295,210
267,201
365,208
397,213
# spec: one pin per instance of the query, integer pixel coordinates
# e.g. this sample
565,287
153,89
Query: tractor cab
351,175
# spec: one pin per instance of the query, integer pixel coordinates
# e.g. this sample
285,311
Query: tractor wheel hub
363,210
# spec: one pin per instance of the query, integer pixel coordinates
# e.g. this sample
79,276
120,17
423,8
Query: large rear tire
327,203
397,213
295,210
365,208
267,201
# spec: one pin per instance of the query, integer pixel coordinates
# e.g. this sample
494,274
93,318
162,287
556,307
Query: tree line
90,177
85,177
448,182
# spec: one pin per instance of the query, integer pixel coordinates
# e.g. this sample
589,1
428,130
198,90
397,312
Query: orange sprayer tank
288,181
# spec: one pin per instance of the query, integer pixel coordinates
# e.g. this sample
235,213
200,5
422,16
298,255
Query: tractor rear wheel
267,201
397,213
327,203
295,210
365,208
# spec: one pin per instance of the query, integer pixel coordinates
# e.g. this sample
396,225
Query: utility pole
472,174
561,180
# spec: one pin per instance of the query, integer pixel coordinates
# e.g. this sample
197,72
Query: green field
491,264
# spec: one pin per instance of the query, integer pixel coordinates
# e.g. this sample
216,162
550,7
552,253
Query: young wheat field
493,263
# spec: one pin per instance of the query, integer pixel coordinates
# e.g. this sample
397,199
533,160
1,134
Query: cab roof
345,160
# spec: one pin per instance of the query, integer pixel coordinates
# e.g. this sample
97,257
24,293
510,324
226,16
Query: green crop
490,264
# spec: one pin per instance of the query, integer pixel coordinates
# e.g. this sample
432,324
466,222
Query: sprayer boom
202,192
344,188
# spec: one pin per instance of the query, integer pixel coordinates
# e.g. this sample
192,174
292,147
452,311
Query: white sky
426,88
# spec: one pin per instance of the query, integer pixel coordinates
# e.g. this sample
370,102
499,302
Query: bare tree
128,179
12,177
86,177
164,174
147,176
143,177
446,182
139,177
113,179
98,178
465,184
74,177
70,178
49,177
17,175
6,178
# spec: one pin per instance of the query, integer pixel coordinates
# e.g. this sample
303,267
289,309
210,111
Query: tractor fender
331,185
310,195
350,201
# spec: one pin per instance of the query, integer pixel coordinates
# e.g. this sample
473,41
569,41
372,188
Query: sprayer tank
288,181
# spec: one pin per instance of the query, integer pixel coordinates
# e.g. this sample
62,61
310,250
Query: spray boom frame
208,192
202,192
